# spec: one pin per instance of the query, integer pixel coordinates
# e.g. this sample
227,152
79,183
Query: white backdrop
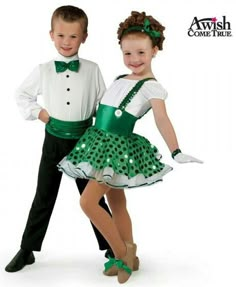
185,226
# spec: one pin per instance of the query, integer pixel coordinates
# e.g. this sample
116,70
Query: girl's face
138,53
67,37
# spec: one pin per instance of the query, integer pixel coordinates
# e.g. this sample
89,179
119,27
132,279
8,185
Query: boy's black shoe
22,258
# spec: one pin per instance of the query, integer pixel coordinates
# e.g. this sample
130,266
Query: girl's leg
100,218
117,202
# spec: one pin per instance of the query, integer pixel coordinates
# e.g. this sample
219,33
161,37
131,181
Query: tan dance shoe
123,267
113,271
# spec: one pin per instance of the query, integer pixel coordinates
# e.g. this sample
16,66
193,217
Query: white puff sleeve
153,90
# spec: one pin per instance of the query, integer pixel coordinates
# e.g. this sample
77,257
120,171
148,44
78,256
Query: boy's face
67,37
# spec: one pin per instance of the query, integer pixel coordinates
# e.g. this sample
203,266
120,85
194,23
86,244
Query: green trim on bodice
112,120
117,120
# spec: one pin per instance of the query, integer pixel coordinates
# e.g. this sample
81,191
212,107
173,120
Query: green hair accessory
145,28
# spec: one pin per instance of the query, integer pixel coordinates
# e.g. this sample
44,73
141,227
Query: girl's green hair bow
145,28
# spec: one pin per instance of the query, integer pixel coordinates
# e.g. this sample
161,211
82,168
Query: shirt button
68,103
68,89
67,76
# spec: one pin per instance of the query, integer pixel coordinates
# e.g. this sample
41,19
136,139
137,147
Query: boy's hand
44,116
184,158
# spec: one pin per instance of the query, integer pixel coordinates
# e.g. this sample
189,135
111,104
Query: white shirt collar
67,59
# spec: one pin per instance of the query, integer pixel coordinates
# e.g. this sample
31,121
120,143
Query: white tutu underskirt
108,176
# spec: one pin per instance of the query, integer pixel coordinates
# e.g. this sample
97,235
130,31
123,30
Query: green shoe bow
119,263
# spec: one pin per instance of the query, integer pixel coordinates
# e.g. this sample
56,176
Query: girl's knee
85,204
91,196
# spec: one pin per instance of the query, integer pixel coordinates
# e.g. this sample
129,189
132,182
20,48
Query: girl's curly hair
137,19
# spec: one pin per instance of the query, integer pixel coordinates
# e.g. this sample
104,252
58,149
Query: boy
71,88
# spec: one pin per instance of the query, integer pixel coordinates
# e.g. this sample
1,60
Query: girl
111,155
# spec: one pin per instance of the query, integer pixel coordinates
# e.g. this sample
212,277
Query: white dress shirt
67,96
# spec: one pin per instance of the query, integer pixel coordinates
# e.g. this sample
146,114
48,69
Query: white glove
184,158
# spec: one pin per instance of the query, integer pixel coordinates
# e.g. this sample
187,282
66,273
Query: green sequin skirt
118,161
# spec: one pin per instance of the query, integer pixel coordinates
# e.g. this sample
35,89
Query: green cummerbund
113,120
68,130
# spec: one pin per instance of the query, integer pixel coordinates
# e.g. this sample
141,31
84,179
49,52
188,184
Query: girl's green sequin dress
111,153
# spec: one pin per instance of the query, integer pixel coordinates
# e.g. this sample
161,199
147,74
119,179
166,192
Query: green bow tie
63,66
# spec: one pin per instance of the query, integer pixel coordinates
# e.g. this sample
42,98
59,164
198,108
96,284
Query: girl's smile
138,53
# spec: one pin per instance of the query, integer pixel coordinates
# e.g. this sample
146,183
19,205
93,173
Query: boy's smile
67,37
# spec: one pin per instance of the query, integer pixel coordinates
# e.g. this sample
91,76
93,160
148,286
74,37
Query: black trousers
49,179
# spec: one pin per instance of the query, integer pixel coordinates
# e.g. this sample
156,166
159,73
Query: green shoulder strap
132,93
